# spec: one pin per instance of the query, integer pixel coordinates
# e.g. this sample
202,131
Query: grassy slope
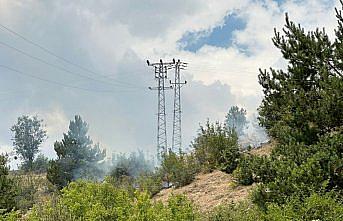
213,189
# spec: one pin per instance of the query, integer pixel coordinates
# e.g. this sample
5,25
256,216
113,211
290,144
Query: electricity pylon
177,84
161,69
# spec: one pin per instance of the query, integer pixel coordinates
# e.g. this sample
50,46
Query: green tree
236,119
40,164
28,135
77,157
305,101
178,169
8,190
216,147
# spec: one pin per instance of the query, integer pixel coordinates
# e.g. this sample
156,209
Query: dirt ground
209,190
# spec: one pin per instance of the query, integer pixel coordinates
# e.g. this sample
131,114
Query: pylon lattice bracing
177,84
161,75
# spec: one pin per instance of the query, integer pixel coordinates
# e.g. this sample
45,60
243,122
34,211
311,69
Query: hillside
210,190
264,150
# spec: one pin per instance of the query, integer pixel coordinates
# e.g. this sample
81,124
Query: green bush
178,169
83,200
150,182
216,147
315,207
10,216
244,173
236,212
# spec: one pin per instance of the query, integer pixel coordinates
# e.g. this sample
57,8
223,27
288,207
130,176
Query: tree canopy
304,101
77,157
28,135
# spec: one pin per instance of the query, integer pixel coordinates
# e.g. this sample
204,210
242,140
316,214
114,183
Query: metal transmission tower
177,84
161,69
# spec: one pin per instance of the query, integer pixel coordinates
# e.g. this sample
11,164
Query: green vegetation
302,179
315,207
8,190
216,147
28,136
40,164
304,102
84,200
178,169
77,156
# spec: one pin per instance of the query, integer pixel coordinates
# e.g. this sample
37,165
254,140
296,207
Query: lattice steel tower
177,84
161,69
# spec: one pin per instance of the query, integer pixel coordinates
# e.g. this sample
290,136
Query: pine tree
77,156
8,190
304,101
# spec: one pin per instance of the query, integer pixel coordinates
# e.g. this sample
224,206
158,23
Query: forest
301,178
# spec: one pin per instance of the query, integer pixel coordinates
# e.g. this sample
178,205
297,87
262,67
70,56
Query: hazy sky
224,42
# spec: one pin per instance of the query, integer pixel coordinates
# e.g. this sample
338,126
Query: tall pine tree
77,156
306,100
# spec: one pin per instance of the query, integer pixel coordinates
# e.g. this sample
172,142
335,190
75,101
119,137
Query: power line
56,82
58,56
53,65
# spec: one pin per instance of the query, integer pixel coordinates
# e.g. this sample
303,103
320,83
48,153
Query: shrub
10,216
252,169
150,182
236,212
244,173
314,168
216,147
178,169
83,200
315,207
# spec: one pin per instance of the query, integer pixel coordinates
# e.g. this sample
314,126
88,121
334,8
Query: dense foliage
84,200
216,147
302,179
178,169
8,190
302,109
305,101
77,156
315,207
28,135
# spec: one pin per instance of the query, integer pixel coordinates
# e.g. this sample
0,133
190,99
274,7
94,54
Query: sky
89,58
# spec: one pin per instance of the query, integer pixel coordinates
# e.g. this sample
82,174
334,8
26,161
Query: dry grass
264,150
209,190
